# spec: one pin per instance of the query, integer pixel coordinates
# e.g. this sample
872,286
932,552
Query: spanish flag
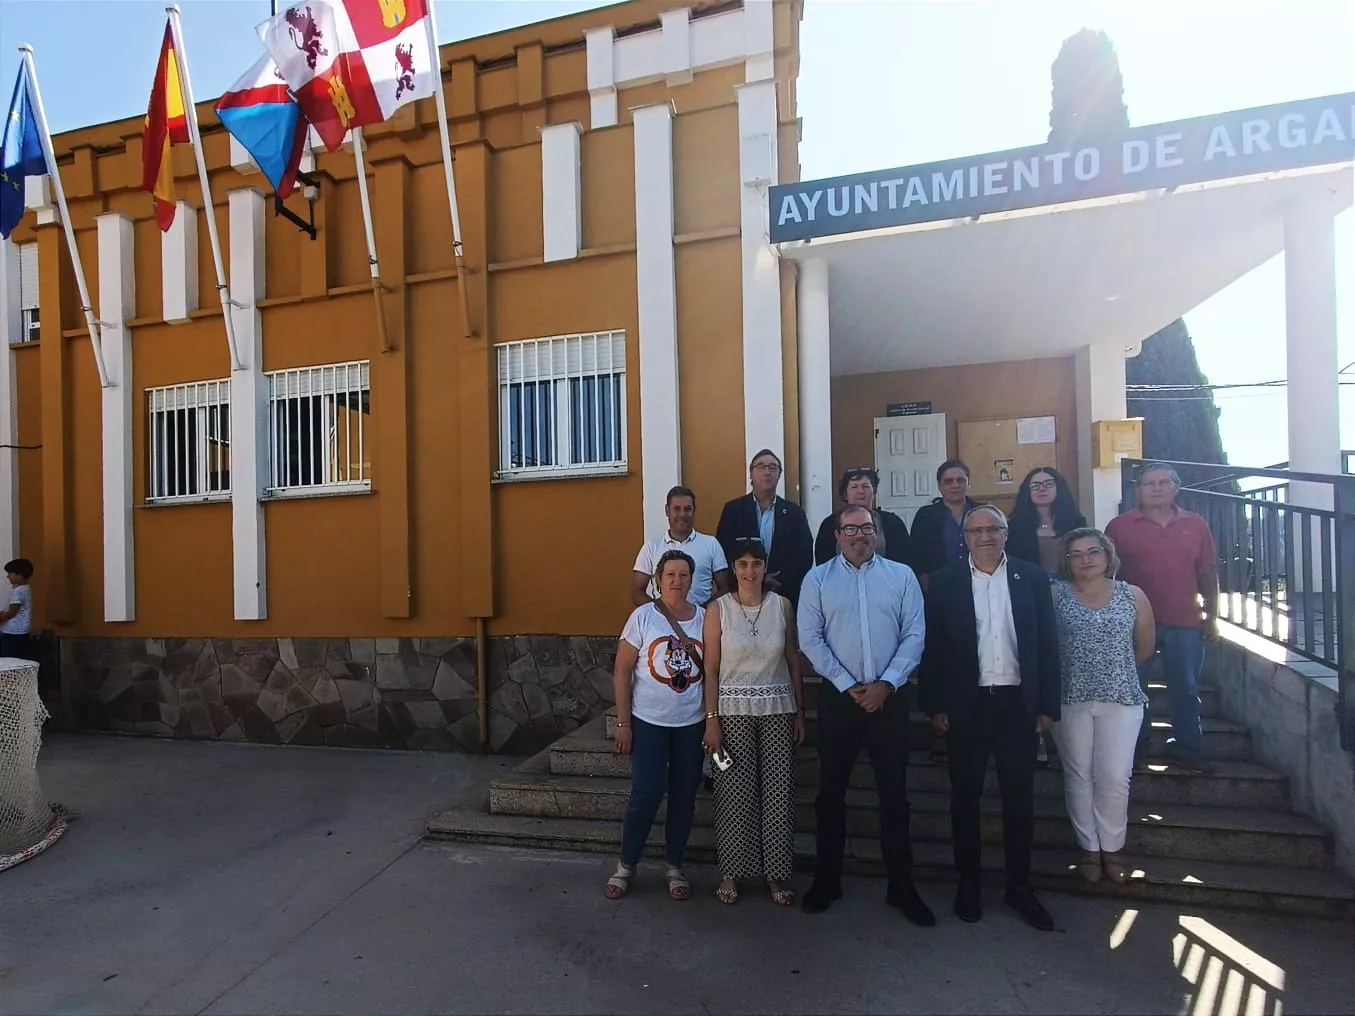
166,125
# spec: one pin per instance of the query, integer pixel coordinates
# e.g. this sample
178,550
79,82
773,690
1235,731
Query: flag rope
195,138
45,136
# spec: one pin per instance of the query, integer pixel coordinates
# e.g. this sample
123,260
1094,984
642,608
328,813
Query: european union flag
20,155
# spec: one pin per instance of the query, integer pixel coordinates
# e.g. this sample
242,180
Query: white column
759,40
117,299
601,76
11,325
656,289
816,400
179,265
1100,396
561,191
1311,351
676,39
763,398
249,407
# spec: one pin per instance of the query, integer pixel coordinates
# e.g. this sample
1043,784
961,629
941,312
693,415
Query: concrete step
1234,785
1181,831
1222,738
1305,892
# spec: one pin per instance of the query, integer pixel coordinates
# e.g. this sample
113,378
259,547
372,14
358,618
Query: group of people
1010,628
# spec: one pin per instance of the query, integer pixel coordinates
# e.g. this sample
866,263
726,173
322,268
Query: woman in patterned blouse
1105,626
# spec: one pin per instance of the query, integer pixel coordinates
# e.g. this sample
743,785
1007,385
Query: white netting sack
28,824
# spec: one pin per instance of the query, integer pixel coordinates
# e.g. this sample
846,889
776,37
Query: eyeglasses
768,467
1044,485
984,531
1090,554
852,529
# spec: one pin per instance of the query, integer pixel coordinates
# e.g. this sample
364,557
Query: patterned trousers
755,797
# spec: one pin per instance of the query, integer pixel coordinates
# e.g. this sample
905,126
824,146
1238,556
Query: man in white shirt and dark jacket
990,682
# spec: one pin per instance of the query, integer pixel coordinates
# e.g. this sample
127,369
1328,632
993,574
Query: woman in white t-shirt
660,721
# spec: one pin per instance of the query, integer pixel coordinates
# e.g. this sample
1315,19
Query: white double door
908,451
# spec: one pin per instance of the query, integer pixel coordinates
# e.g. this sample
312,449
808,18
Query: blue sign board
1266,139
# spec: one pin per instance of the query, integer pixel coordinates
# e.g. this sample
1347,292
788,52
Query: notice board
1000,453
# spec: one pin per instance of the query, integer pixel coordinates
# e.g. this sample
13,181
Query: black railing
1286,562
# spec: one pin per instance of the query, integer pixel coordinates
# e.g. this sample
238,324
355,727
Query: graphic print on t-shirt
670,663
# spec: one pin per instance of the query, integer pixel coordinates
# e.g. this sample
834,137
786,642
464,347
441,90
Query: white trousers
1096,747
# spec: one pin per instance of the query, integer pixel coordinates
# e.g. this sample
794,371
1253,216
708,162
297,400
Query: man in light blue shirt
862,626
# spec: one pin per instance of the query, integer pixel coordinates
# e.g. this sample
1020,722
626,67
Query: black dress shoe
968,907
905,897
1022,900
820,898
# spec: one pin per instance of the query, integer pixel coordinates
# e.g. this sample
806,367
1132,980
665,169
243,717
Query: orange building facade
332,542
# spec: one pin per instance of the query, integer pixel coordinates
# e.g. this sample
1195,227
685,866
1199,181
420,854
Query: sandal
728,893
619,884
781,897
678,886
1089,867
1115,871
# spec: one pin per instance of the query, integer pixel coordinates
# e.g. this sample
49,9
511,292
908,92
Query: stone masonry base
414,693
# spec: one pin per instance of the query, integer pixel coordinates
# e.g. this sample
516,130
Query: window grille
562,404
189,428
317,428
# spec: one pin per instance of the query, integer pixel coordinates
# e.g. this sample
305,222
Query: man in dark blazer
990,681
780,524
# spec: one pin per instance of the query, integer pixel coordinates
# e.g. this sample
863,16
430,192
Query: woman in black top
1045,510
858,487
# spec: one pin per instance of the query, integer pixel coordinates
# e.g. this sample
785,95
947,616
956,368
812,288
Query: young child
16,619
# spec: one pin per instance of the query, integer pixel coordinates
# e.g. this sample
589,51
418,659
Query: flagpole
195,136
359,142
45,136
441,101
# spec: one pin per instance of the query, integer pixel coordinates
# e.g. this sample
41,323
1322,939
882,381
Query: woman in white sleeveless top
755,713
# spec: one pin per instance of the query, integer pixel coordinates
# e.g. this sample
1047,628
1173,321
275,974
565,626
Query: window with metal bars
562,405
190,449
317,428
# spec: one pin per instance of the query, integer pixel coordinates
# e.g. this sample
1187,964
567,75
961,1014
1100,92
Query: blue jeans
662,759
1182,652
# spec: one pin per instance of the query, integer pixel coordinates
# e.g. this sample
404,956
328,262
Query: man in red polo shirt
1168,552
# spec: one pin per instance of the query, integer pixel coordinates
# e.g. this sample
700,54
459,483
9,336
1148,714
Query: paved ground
230,878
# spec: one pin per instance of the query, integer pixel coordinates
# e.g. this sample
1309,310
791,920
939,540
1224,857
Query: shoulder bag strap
682,636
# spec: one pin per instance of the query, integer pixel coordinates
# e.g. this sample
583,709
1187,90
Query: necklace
752,621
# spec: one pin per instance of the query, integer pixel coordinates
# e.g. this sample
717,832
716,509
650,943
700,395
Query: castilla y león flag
351,63
166,125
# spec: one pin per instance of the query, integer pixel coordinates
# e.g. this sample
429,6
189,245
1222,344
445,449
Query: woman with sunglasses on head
858,487
659,724
754,717
1045,510
1105,627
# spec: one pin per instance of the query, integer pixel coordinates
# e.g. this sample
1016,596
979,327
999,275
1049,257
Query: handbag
687,644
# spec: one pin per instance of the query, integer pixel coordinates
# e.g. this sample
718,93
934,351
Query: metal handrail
1286,570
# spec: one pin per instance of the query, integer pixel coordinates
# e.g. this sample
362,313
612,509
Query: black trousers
844,729
999,728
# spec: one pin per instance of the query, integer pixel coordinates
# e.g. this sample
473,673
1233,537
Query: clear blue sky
964,77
